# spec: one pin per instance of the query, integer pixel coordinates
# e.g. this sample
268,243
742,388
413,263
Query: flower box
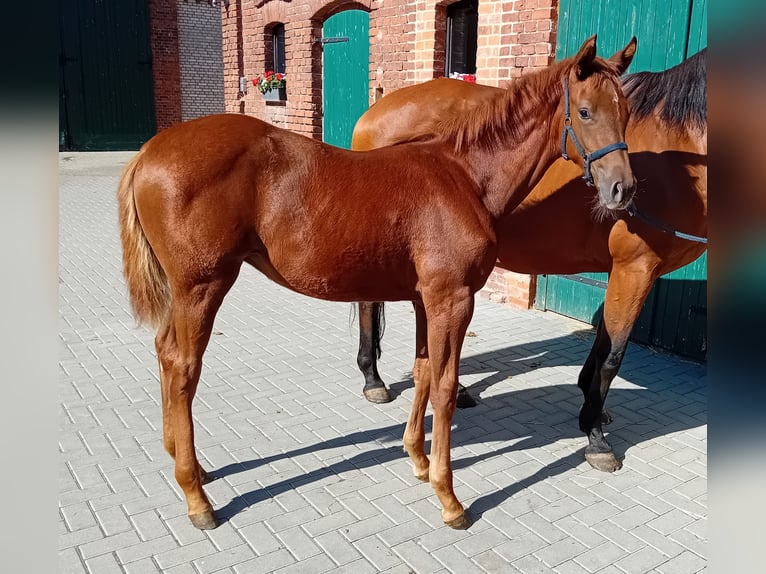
272,85
275,95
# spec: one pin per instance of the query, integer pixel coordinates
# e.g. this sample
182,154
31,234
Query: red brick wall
407,46
407,41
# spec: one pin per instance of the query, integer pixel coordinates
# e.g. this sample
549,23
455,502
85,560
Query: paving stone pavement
312,478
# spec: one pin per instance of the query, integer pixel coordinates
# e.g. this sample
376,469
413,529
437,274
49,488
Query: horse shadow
525,418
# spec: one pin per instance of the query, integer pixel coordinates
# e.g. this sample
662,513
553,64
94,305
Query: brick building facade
407,41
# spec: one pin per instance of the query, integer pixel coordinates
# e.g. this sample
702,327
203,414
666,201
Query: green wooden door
668,31
106,99
345,74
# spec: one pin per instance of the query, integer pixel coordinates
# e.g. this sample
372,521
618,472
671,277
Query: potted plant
272,85
465,77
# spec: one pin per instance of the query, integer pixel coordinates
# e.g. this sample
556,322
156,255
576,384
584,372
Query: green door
345,74
668,32
106,99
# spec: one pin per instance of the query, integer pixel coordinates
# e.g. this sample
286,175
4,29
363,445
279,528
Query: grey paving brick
70,562
560,551
291,519
184,554
416,557
600,557
108,544
298,543
78,516
360,566
520,545
223,559
333,522
260,538
377,553
684,563
489,561
541,527
80,537
104,564
405,531
641,561
691,541
583,533
314,565
149,525
113,520
146,549
338,548
570,567
143,566
532,565
671,521
624,539
657,540
366,527
632,517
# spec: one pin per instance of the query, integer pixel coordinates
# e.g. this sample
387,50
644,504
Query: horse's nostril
617,191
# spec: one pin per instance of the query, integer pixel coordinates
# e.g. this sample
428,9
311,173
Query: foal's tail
147,283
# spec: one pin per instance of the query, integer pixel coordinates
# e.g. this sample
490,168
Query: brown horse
553,230
413,222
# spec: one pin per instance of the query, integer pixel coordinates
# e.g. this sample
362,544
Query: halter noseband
569,131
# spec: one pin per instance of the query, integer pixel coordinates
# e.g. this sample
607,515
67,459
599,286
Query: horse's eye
584,114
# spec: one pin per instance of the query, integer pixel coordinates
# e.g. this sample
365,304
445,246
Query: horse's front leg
414,433
448,320
370,315
625,295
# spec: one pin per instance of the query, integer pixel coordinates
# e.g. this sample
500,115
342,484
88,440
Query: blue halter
569,131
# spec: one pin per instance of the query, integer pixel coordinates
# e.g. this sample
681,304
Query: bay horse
553,229
413,222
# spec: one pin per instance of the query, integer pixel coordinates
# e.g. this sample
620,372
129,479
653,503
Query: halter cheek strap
569,132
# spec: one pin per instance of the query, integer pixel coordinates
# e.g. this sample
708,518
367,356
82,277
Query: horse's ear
624,57
585,57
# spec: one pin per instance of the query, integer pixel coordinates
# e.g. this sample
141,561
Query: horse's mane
507,116
678,93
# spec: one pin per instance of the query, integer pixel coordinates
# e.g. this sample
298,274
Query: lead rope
633,211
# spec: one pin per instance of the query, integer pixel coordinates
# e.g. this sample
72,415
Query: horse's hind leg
626,292
414,433
161,342
180,355
375,389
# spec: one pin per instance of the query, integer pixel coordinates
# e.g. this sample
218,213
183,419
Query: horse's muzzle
620,194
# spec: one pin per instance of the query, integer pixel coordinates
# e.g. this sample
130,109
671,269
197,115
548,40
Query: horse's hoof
423,476
464,399
462,522
204,520
603,461
606,417
377,395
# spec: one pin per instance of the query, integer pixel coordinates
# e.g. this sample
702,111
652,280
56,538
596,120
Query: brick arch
274,13
320,10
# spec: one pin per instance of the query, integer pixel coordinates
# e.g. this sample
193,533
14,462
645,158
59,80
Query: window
462,25
278,44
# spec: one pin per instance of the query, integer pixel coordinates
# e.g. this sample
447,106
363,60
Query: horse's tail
378,327
147,283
